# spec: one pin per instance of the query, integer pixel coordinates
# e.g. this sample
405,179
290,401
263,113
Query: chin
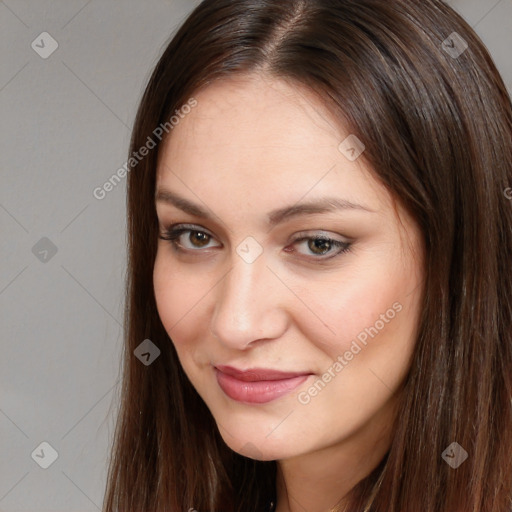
258,447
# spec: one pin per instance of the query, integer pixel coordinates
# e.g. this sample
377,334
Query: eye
187,237
321,246
192,238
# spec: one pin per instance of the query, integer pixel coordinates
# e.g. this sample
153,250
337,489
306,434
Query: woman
319,266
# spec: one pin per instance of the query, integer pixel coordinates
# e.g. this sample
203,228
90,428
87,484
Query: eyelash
174,232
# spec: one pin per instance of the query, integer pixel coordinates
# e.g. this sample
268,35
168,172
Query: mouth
257,385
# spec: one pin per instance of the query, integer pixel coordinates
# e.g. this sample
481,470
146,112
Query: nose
250,305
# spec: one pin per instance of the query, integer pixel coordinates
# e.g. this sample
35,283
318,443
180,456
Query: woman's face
292,262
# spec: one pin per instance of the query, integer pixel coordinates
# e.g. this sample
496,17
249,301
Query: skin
251,145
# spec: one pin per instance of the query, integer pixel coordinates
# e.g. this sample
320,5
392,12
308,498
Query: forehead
250,112
259,136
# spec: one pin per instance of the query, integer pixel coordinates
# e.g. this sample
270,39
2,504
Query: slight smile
257,385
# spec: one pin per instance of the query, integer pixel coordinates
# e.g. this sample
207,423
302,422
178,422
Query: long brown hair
436,120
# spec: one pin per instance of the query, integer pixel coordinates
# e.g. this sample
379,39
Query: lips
257,385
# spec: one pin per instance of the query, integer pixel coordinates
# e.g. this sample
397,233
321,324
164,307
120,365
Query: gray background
65,130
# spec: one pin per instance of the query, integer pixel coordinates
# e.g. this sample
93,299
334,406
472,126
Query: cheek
369,313
375,317
178,296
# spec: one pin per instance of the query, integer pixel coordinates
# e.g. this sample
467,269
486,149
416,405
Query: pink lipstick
257,385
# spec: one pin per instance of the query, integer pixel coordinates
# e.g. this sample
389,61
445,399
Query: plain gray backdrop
66,116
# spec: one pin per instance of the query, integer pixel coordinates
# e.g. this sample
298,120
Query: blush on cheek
180,312
368,330
169,306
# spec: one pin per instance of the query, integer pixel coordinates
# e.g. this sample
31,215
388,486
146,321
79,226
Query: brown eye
187,238
199,238
319,245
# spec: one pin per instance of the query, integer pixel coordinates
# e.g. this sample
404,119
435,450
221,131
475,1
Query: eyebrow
323,205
